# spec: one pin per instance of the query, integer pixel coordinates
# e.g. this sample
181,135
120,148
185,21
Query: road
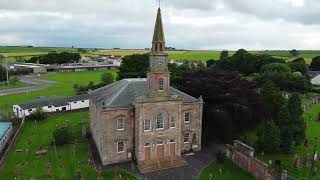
32,85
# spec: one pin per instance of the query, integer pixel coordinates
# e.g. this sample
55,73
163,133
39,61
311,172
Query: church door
160,151
147,153
172,147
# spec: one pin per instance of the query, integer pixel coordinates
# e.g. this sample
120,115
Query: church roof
123,93
158,35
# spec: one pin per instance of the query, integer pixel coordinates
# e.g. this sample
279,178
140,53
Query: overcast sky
189,24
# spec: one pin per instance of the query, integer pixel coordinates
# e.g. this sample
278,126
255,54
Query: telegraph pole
7,69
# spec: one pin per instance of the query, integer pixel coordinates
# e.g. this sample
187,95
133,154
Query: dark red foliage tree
232,105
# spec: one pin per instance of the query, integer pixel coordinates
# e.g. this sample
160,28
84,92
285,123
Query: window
156,47
120,124
186,137
120,146
147,125
147,145
160,84
82,101
75,102
172,141
49,106
173,122
29,110
160,121
187,117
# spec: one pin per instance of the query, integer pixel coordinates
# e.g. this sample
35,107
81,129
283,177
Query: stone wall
239,155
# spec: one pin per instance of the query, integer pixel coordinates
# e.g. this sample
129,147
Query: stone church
146,120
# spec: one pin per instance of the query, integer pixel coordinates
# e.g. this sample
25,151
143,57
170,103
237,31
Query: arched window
160,84
160,121
160,49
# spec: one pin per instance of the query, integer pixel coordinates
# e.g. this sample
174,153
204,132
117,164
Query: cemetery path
33,84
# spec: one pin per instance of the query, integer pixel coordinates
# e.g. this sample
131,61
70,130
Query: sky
188,24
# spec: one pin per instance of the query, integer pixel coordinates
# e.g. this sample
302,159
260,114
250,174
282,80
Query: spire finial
159,3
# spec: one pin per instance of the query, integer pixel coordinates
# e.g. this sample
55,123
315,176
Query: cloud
202,24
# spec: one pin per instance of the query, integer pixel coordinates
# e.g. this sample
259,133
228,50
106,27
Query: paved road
31,82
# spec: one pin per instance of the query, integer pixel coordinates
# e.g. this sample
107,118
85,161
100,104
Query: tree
3,75
299,65
56,58
106,79
224,55
295,111
273,99
268,137
231,106
294,52
276,68
211,62
134,66
315,64
38,115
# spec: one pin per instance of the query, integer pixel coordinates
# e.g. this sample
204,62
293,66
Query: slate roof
4,126
55,102
313,74
123,93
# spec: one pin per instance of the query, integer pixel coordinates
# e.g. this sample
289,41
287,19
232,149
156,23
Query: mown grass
229,172
61,164
12,85
64,87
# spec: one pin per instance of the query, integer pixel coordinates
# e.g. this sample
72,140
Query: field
64,87
202,55
229,171
64,163
12,85
313,136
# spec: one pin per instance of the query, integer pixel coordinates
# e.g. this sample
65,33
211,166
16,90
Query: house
315,77
55,105
183,61
6,131
146,119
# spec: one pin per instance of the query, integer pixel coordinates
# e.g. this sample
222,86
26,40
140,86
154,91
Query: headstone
297,163
284,175
295,157
306,143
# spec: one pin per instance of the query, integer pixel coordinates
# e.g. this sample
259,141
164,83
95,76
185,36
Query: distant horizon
193,25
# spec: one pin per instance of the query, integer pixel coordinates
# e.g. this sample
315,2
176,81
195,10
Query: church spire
158,35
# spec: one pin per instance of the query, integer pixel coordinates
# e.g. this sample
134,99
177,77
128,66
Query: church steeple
158,41
159,75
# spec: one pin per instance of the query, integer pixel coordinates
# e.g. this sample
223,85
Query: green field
64,87
313,131
62,164
229,172
13,85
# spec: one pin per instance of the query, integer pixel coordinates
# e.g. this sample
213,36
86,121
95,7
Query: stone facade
145,119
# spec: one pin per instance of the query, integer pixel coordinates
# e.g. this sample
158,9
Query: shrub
61,135
268,137
38,115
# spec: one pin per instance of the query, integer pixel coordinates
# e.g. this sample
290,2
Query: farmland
202,55
63,163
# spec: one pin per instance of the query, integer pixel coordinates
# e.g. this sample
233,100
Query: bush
38,115
268,137
61,135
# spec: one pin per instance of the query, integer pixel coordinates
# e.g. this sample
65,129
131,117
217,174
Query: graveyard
34,156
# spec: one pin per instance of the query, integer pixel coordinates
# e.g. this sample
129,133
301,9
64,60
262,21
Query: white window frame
171,122
157,118
189,117
144,125
184,138
119,123
161,84
119,148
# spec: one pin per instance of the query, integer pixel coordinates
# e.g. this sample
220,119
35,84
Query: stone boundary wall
247,161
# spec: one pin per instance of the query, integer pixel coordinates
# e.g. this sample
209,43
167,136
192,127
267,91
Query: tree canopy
315,64
134,66
56,58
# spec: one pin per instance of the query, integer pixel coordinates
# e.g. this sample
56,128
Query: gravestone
297,162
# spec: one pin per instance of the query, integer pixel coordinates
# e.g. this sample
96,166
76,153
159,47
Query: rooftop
4,126
123,93
54,102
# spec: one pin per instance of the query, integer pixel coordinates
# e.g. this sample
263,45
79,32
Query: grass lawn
313,131
15,85
39,135
229,172
64,87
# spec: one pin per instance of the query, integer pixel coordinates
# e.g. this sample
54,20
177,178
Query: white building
6,132
63,104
